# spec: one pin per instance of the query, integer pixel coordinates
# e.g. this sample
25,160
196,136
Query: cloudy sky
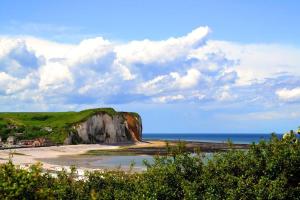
185,66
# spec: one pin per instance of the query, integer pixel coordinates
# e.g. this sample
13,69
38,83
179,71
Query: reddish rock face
134,126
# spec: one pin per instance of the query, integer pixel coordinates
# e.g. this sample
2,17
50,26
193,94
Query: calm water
125,161
203,137
102,162
245,138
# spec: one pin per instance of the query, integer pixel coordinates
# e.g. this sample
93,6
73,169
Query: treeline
268,170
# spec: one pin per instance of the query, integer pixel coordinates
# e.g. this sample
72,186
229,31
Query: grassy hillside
53,125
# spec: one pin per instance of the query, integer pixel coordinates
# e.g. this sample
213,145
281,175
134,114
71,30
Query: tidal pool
105,162
101,162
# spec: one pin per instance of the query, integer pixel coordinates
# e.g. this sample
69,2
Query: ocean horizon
237,138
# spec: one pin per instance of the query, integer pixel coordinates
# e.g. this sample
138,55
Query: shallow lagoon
101,162
123,162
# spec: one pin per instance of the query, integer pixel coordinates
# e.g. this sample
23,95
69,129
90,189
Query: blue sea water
237,138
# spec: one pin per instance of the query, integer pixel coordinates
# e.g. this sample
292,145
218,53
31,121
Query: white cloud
225,95
89,51
148,51
262,115
189,80
289,94
55,76
167,99
48,49
154,86
10,85
170,82
256,62
190,68
124,71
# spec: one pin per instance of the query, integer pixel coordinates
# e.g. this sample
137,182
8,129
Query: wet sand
159,147
24,157
94,156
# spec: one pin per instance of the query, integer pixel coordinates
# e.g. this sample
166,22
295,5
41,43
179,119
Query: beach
28,156
92,156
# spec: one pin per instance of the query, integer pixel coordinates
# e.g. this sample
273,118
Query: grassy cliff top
51,119
33,124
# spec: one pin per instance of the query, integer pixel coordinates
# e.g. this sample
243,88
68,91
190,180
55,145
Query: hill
55,126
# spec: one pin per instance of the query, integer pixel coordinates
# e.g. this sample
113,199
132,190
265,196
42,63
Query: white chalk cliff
103,128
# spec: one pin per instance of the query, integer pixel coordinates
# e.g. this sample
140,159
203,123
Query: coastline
24,157
49,157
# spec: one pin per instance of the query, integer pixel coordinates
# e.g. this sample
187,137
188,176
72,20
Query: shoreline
153,147
24,157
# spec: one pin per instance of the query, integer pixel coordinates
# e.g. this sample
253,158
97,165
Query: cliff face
107,129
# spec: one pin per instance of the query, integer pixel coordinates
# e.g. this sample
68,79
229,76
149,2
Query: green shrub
40,117
268,170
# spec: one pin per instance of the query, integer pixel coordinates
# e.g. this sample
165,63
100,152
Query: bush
268,170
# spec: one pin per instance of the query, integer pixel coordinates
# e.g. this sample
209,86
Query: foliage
268,170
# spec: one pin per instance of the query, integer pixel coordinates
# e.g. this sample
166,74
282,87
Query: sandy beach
28,156
55,158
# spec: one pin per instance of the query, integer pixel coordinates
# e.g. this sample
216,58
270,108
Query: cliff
107,129
99,125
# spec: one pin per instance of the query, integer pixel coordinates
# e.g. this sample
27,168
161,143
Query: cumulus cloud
256,62
148,51
190,68
187,81
289,94
10,85
54,75
170,82
167,99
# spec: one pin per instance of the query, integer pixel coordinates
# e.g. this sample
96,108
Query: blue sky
185,66
243,21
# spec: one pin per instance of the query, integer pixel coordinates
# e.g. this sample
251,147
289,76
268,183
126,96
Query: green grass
32,123
50,119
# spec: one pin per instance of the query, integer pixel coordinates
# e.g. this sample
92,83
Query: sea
236,138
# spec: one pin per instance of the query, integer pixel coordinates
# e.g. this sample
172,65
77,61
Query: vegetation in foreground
268,170
52,125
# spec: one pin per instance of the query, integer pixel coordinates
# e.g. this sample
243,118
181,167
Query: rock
48,129
103,128
134,126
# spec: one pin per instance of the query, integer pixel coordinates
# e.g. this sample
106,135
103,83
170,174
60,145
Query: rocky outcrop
107,129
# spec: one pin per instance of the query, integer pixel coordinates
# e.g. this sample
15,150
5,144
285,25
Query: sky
186,66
